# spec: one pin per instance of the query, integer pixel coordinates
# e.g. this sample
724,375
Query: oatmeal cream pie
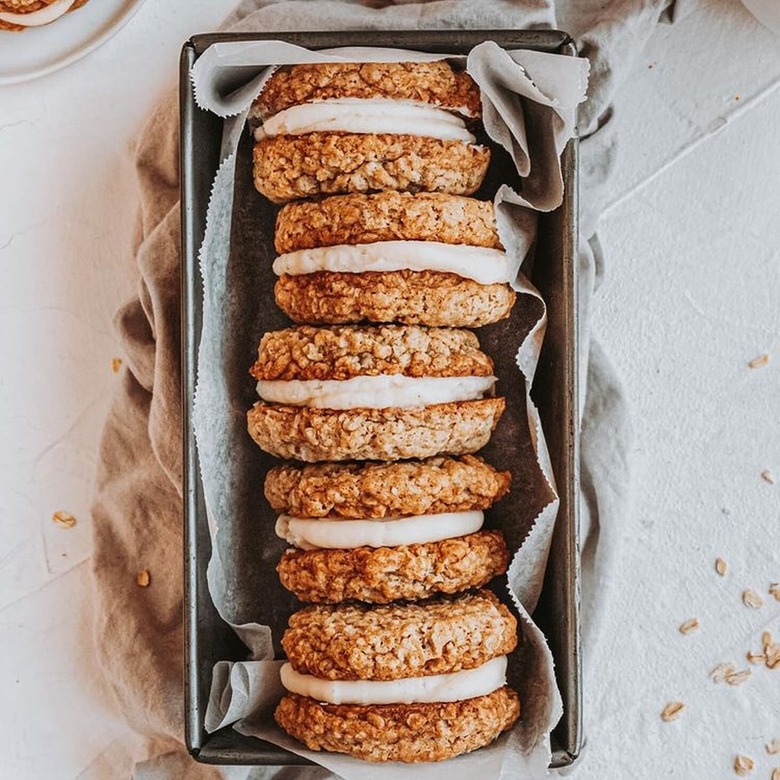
389,392
334,127
18,15
403,682
427,258
380,532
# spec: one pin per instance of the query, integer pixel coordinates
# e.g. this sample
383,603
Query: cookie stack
401,655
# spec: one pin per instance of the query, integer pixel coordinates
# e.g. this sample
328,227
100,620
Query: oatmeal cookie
386,216
415,297
288,167
384,574
312,435
399,732
378,490
436,83
392,642
344,352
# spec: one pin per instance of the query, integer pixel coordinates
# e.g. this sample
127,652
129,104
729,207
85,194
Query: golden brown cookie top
431,731
435,83
381,575
386,216
346,351
378,490
440,636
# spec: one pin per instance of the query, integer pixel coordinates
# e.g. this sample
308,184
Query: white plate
40,50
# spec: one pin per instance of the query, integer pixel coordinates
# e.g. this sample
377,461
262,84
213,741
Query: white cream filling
42,16
374,392
311,534
367,115
482,264
457,686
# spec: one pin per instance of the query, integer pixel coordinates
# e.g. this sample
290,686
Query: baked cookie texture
313,435
384,574
25,7
344,352
436,83
386,216
400,732
378,490
440,636
287,167
415,297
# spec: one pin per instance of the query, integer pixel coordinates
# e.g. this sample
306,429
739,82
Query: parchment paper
238,282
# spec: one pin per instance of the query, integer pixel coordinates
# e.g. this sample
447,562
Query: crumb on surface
63,518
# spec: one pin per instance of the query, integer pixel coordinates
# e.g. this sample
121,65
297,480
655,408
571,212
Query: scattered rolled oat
773,747
759,361
721,672
65,519
737,678
774,590
766,639
116,364
772,656
720,567
689,625
776,773
143,579
751,599
767,476
672,710
743,765
755,658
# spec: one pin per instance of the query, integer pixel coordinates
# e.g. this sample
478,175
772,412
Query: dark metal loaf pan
555,391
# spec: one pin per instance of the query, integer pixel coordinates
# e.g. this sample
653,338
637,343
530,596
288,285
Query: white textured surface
692,294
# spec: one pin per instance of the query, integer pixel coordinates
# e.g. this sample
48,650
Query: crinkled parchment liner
238,307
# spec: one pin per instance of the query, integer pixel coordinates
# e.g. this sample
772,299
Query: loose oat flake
751,599
772,656
689,625
773,747
720,567
143,579
755,658
743,765
767,476
774,590
721,672
776,773
65,519
672,710
737,678
759,361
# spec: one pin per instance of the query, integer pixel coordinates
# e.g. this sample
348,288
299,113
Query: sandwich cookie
389,392
403,682
380,532
428,259
17,15
327,128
